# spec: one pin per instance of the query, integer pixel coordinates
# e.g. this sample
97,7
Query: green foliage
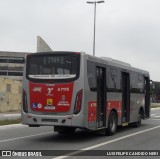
156,89
8,122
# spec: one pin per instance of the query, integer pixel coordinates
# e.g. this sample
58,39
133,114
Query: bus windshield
53,66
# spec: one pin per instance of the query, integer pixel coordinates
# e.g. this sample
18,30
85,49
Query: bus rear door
125,97
101,96
147,96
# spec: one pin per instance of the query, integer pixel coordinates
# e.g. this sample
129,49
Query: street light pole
94,33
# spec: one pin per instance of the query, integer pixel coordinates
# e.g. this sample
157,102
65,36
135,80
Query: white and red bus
70,90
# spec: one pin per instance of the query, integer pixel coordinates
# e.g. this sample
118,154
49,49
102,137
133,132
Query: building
11,74
12,64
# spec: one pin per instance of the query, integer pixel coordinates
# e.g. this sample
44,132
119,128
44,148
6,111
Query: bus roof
117,63
104,60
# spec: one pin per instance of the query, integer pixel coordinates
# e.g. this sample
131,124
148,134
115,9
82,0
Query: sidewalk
10,116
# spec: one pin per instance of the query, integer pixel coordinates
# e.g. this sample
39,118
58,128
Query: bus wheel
112,124
138,123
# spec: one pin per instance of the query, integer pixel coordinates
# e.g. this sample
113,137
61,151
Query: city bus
70,90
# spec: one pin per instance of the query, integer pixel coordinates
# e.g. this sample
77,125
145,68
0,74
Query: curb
10,116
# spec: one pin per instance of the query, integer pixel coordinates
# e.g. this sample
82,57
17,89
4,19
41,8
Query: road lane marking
105,143
25,137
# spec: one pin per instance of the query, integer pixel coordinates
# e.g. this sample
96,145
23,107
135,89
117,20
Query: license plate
49,107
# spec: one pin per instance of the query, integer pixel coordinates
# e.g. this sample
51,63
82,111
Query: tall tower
42,46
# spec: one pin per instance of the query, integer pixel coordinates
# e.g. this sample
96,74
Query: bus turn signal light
25,105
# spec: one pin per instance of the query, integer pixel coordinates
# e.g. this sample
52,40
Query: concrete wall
10,95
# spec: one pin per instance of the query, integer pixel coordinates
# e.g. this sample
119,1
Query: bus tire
138,123
112,124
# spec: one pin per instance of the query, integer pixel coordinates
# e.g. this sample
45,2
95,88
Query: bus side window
91,74
137,83
140,83
113,79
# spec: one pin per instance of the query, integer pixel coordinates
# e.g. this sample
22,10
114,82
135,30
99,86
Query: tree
155,91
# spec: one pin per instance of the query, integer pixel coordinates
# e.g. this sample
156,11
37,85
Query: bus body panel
114,102
136,103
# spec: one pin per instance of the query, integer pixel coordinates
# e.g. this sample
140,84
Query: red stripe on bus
117,105
92,109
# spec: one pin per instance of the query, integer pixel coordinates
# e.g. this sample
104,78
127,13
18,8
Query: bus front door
101,96
147,96
125,97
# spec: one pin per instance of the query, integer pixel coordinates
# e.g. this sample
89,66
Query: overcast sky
127,30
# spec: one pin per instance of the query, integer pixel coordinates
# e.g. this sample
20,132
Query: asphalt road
21,137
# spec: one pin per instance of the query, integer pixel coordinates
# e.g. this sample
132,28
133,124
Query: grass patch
8,122
155,105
